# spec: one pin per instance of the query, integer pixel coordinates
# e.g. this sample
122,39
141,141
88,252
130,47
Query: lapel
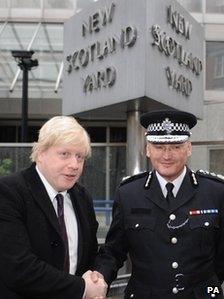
80,213
40,195
154,193
185,193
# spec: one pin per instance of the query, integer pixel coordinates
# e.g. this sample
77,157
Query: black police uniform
176,250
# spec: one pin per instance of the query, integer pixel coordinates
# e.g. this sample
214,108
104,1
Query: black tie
61,220
169,196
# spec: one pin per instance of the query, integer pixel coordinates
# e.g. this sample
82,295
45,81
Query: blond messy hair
61,130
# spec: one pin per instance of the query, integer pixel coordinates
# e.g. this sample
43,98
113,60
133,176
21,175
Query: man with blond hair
47,222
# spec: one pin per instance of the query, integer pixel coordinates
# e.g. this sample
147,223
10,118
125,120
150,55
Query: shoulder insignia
193,177
148,181
210,175
129,179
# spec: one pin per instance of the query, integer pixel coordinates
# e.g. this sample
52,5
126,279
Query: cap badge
167,126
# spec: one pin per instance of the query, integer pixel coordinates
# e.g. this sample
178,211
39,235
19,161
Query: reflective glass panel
25,3
3,3
82,4
216,160
94,175
192,5
215,6
118,134
13,159
66,4
215,65
15,36
97,134
48,49
117,167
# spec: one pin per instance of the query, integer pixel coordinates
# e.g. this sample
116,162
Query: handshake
95,285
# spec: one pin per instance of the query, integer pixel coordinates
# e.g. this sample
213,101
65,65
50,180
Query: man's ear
40,155
189,149
147,150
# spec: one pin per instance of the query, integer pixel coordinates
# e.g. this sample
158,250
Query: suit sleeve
113,253
20,268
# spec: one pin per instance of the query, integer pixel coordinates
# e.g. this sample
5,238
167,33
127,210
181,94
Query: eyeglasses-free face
169,159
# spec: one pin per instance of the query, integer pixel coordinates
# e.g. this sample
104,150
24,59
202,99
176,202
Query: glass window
16,36
215,6
118,134
94,175
48,47
13,159
192,5
4,3
25,4
219,66
13,133
97,134
82,4
67,4
217,160
117,167
215,65
7,133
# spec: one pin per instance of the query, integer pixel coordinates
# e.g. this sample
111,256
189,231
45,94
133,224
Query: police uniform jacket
177,250
31,247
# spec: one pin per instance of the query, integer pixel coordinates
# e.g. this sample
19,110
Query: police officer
169,220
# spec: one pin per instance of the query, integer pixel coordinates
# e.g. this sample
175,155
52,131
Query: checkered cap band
167,138
168,127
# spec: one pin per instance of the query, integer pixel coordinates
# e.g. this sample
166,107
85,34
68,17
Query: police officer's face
169,159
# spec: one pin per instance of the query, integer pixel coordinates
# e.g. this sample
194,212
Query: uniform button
172,217
206,223
136,225
174,265
54,244
174,240
132,296
175,290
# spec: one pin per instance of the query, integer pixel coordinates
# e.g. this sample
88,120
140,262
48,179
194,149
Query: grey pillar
136,159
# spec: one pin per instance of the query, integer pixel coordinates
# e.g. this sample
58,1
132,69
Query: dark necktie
169,196
60,200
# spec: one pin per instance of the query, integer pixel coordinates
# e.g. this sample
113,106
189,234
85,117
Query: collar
177,182
50,190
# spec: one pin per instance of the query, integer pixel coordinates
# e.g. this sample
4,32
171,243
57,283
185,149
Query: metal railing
105,207
118,286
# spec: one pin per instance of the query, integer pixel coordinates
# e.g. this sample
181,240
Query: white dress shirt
70,221
177,182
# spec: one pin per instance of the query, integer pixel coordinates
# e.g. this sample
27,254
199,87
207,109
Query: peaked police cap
168,126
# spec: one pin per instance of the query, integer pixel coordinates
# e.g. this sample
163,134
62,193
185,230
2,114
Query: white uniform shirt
177,182
70,221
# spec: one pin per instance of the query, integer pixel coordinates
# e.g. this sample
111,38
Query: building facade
38,25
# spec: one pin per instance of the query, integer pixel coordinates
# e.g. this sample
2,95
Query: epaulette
193,178
129,179
210,175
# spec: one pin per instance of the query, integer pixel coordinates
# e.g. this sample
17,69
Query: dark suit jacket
31,248
184,255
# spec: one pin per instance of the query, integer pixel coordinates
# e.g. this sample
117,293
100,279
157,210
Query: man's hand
95,276
96,287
